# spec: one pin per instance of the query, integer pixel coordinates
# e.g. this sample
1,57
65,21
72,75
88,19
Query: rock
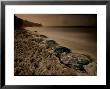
68,60
76,61
83,59
43,36
79,67
61,49
83,62
91,68
51,43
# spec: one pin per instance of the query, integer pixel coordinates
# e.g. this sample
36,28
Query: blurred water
77,39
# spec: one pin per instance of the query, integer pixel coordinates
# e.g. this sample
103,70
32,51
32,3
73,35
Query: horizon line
71,26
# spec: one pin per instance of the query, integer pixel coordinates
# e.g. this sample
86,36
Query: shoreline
36,54
77,42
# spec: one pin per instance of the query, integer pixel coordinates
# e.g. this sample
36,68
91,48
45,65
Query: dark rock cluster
76,61
61,49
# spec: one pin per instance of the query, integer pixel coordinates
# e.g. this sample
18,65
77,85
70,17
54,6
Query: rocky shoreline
36,54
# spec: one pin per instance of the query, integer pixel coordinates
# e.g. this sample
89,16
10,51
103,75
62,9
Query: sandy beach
79,40
39,54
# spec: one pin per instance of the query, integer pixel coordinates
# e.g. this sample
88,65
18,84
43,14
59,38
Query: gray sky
60,20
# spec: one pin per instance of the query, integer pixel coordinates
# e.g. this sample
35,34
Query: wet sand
79,40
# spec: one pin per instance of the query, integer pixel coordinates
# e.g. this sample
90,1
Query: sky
61,19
